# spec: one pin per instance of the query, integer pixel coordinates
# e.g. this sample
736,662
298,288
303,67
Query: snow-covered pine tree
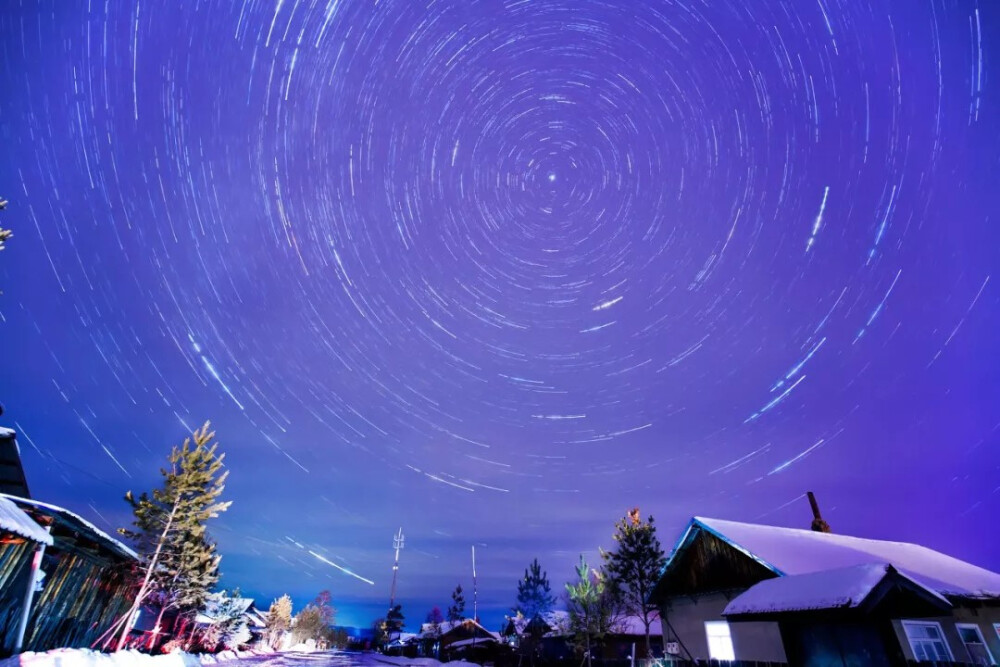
177,562
634,566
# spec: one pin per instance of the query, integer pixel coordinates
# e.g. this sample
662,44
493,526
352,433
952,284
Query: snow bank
81,657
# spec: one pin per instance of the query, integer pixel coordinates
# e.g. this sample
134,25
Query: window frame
729,637
982,639
915,623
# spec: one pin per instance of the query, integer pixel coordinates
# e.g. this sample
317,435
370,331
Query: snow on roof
444,627
55,509
480,641
14,520
7,432
557,620
793,551
212,608
845,587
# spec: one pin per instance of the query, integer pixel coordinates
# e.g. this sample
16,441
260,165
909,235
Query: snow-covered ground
85,658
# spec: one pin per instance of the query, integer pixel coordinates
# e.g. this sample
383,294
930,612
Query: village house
454,640
62,583
62,579
742,591
553,638
546,635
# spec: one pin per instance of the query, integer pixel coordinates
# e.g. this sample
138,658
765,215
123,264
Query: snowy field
84,658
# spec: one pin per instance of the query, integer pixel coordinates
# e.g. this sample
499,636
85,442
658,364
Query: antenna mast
397,544
475,591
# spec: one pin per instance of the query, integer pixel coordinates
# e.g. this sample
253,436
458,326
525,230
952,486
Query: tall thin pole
475,590
475,597
397,544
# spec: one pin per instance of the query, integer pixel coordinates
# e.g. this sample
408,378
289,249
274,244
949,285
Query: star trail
498,270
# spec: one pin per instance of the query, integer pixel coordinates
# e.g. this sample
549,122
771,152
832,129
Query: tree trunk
143,589
156,629
649,650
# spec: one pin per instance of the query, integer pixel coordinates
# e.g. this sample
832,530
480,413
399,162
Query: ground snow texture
87,658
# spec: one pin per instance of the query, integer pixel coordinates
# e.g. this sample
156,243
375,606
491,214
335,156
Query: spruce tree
534,595
634,567
394,621
457,608
177,561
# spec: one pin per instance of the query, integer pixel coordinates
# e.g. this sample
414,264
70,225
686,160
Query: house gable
704,562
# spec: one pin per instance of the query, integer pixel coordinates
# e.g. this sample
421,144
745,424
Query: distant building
751,592
549,632
465,639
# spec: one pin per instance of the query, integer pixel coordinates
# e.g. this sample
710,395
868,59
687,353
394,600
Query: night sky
496,271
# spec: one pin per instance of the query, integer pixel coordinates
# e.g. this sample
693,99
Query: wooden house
68,588
465,639
743,591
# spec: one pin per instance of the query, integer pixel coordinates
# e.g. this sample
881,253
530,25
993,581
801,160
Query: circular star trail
499,270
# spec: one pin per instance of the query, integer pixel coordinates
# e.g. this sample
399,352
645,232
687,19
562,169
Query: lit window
979,654
720,642
927,641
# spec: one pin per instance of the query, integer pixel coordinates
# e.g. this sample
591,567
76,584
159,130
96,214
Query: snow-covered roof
14,520
214,600
793,551
444,627
478,641
557,620
7,432
841,588
73,517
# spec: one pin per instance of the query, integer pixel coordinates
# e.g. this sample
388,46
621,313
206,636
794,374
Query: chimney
819,524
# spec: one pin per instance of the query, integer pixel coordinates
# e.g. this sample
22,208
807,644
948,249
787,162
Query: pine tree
594,608
534,595
634,566
279,619
394,620
457,608
379,637
178,563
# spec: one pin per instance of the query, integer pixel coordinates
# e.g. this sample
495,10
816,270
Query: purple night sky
496,271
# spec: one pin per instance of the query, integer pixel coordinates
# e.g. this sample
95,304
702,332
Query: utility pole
397,544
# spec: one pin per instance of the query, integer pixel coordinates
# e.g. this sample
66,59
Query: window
979,654
927,640
720,643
